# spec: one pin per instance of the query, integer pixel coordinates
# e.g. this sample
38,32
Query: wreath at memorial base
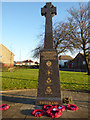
38,113
67,100
53,113
60,107
4,107
46,107
72,107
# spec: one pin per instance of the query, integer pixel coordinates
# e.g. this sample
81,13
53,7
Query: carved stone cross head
48,9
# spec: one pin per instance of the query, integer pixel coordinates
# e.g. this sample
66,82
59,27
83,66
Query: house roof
65,57
18,62
80,54
28,61
6,48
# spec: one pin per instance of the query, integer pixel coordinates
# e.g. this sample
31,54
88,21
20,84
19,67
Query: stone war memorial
49,101
48,81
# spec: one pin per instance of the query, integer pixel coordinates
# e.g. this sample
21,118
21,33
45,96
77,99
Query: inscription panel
49,102
47,55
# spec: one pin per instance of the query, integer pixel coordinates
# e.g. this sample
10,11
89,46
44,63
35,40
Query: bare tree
78,30
60,40
40,46
36,51
73,34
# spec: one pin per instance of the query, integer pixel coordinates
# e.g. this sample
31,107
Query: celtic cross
48,11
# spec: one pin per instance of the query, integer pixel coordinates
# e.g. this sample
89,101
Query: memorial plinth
48,81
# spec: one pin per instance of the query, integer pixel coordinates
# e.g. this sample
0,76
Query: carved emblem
49,72
48,80
48,63
48,90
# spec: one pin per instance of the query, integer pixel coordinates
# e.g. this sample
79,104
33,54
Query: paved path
22,103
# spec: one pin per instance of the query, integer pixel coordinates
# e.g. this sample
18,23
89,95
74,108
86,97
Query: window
84,62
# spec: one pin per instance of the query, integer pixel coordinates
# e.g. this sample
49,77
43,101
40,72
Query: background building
6,56
64,59
79,62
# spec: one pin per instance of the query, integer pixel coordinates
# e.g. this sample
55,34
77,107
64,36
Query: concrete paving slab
22,103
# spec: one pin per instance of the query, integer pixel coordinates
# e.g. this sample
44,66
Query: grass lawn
28,78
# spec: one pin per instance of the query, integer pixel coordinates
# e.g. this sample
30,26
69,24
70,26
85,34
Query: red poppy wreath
46,107
38,113
60,107
53,113
72,107
4,107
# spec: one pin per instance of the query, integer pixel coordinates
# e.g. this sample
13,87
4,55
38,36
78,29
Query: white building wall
61,62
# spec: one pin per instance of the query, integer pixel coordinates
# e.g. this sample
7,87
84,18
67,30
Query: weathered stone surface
48,81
